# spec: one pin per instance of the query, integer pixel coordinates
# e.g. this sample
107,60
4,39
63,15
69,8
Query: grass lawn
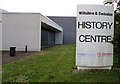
0,74
54,64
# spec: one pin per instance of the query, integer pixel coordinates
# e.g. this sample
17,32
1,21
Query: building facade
31,29
69,28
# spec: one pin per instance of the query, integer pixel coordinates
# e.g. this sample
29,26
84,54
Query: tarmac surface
6,58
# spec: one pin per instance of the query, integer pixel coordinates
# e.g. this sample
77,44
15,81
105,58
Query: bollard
12,51
26,49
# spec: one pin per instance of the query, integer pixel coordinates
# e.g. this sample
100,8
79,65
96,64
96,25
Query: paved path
6,58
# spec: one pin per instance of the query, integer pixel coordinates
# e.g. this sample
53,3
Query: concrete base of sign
90,67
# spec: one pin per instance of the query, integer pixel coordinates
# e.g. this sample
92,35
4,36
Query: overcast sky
46,7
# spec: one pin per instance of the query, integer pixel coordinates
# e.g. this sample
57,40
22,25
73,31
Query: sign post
95,30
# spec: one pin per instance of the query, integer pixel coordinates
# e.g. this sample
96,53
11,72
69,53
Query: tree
110,2
116,40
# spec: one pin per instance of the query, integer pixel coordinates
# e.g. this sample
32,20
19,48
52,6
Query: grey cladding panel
69,28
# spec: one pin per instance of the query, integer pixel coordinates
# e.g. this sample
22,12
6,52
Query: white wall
20,29
58,37
50,22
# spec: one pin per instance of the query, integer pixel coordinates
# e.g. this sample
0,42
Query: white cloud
46,7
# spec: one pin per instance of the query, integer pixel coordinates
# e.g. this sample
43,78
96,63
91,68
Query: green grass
54,64
0,74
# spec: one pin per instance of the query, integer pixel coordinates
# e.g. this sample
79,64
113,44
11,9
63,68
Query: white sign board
95,30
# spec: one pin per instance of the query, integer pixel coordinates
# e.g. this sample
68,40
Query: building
31,29
68,23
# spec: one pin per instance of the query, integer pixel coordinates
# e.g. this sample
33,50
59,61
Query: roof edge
63,16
